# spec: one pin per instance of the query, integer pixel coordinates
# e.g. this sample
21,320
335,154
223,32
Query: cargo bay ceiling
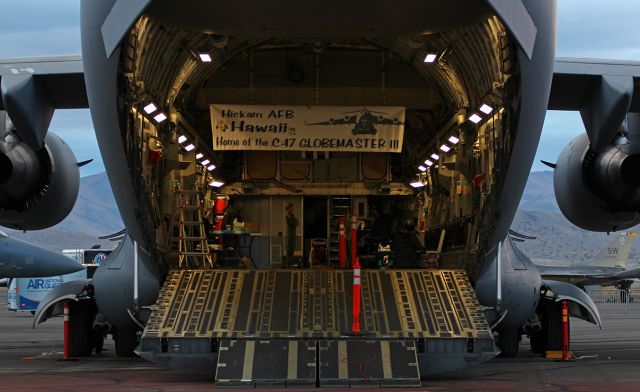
475,59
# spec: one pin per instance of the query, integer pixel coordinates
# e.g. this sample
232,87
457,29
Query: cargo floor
293,327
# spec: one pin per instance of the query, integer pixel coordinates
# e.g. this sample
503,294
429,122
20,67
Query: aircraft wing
633,273
61,76
573,79
587,276
575,271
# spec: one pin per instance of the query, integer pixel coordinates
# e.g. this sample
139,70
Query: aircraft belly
575,272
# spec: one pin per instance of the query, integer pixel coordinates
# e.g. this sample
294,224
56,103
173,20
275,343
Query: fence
614,298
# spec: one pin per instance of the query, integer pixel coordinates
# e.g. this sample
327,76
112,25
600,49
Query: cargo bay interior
442,187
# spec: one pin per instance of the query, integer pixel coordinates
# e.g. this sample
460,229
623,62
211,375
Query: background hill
558,239
95,214
538,193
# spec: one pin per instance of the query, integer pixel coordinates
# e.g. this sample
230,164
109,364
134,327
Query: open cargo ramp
293,327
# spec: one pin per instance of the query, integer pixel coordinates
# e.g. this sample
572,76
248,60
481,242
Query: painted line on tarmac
77,370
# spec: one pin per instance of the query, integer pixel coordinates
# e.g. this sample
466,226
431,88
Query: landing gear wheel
80,328
98,342
509,342
126,342
538,343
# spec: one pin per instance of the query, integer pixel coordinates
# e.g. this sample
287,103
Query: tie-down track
293,327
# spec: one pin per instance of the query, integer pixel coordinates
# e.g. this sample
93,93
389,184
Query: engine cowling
39,188
599,191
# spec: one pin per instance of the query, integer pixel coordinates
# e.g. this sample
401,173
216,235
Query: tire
509,342
126,342
552,325
98,342
538,343
80,328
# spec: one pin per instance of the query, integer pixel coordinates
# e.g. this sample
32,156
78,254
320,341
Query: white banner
307,128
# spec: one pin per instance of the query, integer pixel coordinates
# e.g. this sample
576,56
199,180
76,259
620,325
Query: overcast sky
586,28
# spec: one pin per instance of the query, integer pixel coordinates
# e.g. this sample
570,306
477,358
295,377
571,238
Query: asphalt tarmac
30,360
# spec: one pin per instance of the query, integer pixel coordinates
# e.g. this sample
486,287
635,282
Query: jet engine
38,188
600,191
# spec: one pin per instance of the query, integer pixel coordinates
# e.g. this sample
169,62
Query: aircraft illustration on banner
364,124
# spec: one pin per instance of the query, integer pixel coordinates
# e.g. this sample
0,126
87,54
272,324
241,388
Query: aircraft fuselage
188,59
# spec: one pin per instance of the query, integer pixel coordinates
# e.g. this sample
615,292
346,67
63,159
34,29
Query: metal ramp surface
268,363
298,322
368,362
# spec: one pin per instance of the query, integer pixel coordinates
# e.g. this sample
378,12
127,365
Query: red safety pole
355,327
354,236
342,244
66,330
565,330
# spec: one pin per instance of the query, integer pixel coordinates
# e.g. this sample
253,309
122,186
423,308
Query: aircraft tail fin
616,254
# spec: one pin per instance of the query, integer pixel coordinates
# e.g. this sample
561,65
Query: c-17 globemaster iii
471,82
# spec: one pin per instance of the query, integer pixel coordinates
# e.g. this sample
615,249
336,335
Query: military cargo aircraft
471,82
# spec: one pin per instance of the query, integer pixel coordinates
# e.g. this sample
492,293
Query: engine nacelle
38,189
599,191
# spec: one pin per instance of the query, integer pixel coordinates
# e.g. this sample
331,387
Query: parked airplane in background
19,259
609,268
470,81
